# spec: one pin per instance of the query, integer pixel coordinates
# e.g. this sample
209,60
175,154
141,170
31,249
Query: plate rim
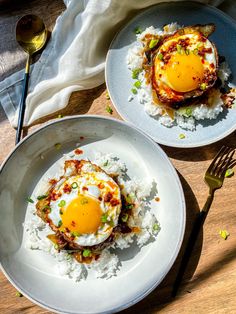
142,12
142,295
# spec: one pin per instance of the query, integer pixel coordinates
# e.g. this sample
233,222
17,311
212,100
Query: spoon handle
22,101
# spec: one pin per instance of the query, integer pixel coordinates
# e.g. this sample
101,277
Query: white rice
200,111
108,264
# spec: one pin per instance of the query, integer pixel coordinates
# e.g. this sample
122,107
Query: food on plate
178,74
86,209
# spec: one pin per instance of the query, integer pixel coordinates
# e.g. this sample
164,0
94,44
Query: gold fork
214,178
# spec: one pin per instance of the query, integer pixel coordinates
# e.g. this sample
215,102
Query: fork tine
223,148
222,161
223,167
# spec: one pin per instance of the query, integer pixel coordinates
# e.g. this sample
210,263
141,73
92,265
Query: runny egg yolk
185,72
82,215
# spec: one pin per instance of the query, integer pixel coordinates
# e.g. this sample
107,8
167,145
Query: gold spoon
31,35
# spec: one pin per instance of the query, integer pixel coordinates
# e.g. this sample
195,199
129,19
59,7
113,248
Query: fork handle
191,242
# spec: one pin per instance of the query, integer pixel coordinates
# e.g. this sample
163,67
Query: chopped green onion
41,197
160,56
195,51
111,223
134,91
181,136
84,201
29,200
229,173
86,253
137,84
74,185
62,203
104,218
156,227
129,206
187,52
137,30
19,295
179,48
135,73
188,112
107,96
60,116
47,208
56,246
59,223
57,146
109,109
224,234
105,163
153,43
203,86
124,217
75,234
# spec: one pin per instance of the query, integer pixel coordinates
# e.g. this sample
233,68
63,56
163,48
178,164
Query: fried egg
184,66
84,205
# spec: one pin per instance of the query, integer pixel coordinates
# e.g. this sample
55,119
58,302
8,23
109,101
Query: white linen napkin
74,59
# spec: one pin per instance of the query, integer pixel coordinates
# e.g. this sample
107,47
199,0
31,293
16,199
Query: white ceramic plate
119,81
32,272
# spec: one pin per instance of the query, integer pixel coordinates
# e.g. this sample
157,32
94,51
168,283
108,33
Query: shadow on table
162,295
200,153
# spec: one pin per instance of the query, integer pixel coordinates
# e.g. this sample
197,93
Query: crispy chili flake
108,197
73,224
52,181
100,185
54,196
84,188
114,202
67,188
157,199
78,151
81,138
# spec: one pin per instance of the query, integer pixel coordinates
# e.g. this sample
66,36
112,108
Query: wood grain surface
209,284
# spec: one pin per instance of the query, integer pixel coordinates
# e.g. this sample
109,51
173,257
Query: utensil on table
31,34
214,178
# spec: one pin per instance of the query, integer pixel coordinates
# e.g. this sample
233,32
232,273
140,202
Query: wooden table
209,284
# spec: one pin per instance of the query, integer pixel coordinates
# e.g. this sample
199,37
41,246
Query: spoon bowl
31,35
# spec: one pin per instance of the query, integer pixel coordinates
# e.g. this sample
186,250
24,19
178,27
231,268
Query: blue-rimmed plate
119,81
